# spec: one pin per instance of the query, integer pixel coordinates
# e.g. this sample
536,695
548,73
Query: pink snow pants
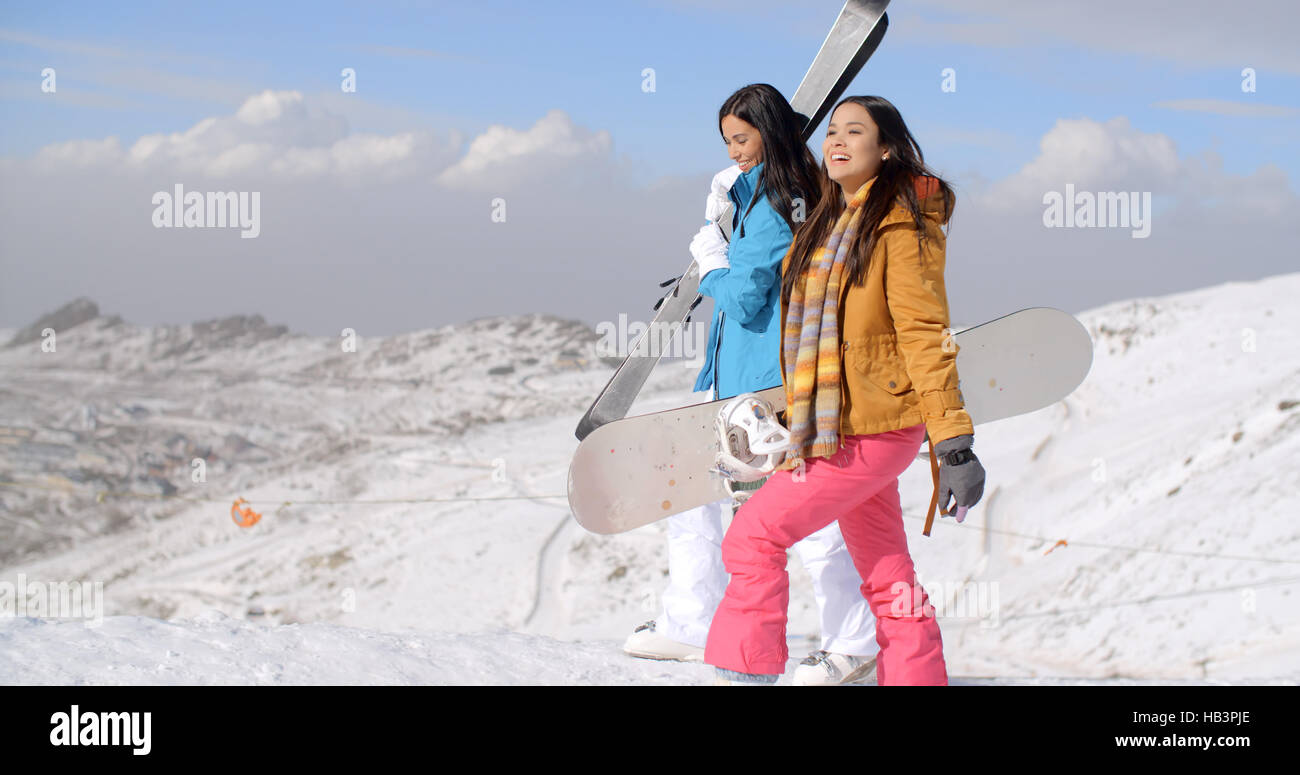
858,486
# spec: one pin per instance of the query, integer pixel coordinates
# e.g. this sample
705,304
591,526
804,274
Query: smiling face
852,149
744,144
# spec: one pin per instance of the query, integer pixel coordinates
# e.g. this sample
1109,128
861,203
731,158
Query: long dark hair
896,183
789,168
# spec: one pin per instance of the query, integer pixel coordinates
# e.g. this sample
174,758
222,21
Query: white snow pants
697,581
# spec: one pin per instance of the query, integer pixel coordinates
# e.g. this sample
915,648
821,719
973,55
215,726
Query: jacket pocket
877,359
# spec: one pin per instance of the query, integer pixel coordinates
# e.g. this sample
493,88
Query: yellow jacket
896,370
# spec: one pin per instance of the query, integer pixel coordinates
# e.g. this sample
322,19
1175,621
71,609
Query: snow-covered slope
213,649
119,408
1167,474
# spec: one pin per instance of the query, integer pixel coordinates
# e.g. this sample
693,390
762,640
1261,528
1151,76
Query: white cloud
80,153
268,106
374,229
1228,108
502,156
1111,156
242,157
285,135
357,227
1116,156
352,154
278,121
1205,224
280,133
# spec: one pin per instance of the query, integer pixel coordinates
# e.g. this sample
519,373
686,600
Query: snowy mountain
414,526
120,408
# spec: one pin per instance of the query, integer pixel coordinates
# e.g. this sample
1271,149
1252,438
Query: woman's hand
709,250
718,202
964,482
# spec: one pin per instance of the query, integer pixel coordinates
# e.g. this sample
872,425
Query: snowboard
635,471
853,38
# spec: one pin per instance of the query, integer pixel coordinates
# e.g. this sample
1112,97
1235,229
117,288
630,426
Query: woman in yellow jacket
867,369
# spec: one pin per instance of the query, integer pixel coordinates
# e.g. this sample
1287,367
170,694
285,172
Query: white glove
709,250
718,202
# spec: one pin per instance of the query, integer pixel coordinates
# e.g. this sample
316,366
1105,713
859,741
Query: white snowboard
635,471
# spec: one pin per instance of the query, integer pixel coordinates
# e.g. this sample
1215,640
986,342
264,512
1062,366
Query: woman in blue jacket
774,179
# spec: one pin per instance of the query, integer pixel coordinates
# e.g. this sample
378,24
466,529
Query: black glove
964,481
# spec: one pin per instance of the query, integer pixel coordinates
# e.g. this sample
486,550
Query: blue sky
475,64
457,69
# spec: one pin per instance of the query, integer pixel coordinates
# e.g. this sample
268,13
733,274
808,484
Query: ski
853,38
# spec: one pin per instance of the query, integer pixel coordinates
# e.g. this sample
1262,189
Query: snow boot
646,643
823,668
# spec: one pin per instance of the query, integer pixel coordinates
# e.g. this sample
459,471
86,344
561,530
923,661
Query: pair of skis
852,40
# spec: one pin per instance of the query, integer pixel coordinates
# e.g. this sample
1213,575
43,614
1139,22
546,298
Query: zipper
737,232
717,357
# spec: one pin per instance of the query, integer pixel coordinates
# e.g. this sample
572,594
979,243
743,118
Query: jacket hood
929,195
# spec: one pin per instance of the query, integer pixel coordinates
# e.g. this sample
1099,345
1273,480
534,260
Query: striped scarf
811,341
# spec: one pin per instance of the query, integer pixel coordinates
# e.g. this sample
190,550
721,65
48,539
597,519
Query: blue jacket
745,336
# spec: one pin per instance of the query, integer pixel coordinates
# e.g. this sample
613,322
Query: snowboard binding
751,444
